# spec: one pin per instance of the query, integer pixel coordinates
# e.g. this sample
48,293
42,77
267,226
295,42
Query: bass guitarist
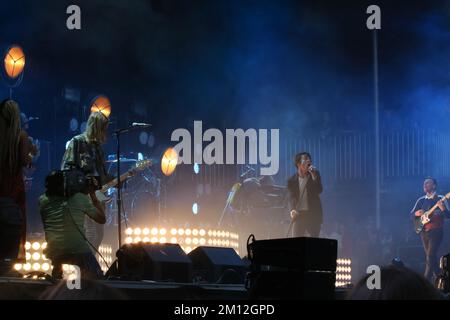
432,232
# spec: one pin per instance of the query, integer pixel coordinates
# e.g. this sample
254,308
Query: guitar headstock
142,164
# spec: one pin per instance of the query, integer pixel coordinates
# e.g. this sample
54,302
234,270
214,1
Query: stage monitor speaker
215,264
159,262
301,254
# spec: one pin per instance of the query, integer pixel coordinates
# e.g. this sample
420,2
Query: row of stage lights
187,238
37,261
343,272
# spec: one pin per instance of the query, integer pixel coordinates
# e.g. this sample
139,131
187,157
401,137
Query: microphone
33,118
140,124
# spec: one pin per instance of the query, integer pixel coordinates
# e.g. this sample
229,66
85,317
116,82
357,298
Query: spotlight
101,104
196,168
14,61
36,245
169,161
195,208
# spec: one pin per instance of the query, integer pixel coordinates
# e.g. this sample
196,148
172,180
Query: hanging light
14,61
169,161
101,104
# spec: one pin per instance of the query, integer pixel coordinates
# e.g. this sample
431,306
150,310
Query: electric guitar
425,217
101,193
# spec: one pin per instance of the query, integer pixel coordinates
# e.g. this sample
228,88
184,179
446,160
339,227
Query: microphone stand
117,133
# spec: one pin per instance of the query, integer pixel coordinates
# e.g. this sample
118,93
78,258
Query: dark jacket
314,189
86,156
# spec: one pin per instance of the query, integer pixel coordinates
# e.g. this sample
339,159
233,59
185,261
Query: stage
31,289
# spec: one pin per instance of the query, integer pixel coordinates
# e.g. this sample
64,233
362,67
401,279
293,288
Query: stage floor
31,289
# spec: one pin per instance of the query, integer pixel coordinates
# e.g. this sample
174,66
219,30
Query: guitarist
432,233
85,152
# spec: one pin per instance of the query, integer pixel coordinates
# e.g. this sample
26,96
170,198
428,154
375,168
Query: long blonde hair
10,136
97,127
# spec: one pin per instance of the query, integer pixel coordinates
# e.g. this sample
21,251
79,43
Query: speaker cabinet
215,264
159,262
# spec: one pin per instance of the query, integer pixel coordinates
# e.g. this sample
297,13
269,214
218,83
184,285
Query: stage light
36,266
187,240
36,256
188,249
137,231
27,266
173,231
27,245
195,241
154,240
195,232
146,239
18,266
173,240
128,240
162,231
36,245
162,240
202,241
137,239
14,61
27,256
210,242
188,232
343,272
202,232
195,208
180,232
196,168
154,231
169,161
45,266
145,231
101,104
44,245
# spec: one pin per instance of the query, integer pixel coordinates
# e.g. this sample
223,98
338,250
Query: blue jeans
10,233
87,263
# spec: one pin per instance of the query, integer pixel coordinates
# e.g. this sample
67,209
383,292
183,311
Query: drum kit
255,201
141,194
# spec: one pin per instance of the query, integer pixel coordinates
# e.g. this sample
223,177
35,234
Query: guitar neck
431,211
115,182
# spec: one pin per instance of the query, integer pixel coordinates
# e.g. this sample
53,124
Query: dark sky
286,64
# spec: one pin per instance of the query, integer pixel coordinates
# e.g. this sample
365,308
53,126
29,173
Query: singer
304,190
